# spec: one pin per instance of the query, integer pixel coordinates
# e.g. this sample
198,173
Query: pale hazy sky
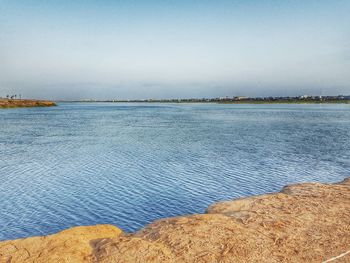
163,49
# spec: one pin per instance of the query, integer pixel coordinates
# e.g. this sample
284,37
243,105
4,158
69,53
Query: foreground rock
303,223
7,103
71,245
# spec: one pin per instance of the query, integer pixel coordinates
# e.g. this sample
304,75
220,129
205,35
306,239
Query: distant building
240,98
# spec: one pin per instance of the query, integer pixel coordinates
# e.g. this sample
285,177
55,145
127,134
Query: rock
303,223
15,103
71,245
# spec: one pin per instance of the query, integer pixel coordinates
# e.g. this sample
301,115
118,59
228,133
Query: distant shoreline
288,102
213,102
305,99
24,103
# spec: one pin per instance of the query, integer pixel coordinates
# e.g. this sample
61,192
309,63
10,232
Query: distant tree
7,96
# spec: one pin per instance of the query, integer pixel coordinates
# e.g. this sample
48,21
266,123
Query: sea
128,164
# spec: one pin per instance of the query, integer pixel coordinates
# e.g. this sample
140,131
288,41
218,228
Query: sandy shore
307,222
6,103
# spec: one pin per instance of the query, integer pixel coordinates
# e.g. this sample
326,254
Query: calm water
129,164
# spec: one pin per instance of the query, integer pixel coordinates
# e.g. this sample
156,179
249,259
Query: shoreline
24,103
307,222
210,102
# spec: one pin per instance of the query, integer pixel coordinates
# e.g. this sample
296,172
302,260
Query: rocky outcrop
303,223
7,103
71,245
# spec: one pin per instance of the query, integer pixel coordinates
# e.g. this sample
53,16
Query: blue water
129,164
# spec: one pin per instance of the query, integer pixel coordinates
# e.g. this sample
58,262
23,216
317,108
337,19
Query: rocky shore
307,222
13,103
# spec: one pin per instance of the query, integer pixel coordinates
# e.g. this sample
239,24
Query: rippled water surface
129,164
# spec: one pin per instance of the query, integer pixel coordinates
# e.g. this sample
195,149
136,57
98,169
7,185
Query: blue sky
164,49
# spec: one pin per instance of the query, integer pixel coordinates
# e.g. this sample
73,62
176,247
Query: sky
173,49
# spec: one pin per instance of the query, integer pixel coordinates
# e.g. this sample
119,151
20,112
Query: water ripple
129,164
